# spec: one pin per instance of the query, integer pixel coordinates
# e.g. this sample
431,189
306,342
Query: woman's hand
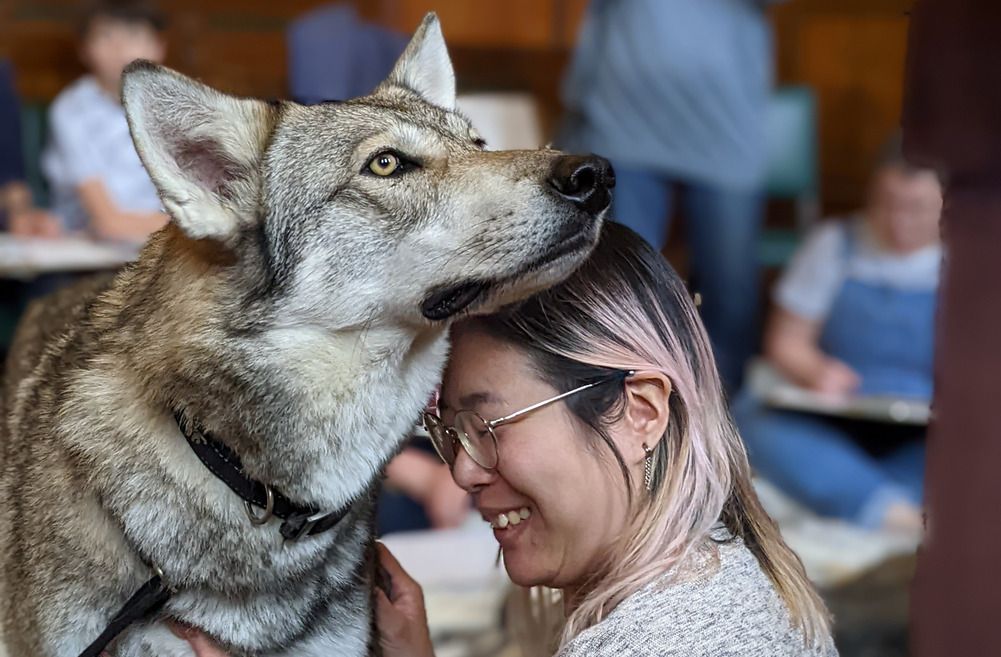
792,344
202,645
401,618
402,621
836,378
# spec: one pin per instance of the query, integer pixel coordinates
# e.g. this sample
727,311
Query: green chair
792,169
34,133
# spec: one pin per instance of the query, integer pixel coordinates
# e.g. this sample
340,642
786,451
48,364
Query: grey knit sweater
723,606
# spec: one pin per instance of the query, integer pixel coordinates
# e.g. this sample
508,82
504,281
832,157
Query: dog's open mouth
447,301
452,300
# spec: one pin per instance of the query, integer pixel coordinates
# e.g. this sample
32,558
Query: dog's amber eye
384,164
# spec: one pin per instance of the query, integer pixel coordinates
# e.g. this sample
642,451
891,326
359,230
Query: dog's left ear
425,67
201,147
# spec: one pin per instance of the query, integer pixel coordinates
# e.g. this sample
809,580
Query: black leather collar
298,521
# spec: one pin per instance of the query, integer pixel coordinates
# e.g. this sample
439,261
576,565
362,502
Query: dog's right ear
201,147
425,67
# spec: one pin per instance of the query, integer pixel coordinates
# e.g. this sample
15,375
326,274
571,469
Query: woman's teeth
513,517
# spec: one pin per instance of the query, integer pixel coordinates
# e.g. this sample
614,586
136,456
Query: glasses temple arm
536,406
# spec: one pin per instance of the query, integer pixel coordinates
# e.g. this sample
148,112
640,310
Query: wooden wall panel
482,24
531,24
239,45
44,55
850,51
852,54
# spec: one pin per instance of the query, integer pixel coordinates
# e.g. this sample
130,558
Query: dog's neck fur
268,392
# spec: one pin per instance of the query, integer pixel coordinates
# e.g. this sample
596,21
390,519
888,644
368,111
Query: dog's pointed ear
201,147
425,66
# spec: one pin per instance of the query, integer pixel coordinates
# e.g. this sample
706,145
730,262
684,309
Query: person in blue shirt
99,185
675,94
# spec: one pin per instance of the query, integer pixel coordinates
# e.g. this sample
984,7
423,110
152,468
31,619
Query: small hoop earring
648,467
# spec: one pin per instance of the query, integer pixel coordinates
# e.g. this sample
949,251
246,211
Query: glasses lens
442,437
477,438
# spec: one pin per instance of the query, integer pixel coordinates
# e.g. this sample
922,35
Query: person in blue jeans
855,315
675,94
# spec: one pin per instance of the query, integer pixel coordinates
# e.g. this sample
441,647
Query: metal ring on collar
268,509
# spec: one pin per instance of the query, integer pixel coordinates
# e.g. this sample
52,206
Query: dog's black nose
586,180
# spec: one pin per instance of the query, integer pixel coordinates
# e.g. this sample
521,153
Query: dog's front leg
151,640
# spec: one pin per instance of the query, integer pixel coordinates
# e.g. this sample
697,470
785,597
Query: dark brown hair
891,155
126,11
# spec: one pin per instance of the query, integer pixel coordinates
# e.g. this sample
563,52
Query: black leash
148,600
298,522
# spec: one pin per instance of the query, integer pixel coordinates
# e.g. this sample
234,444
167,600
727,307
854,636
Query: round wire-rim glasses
476,434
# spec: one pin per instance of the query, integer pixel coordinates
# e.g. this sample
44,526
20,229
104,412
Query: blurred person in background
98,183
15,196
12,187
419,493
855,315
675,93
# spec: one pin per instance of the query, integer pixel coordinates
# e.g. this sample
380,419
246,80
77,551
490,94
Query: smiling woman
589,426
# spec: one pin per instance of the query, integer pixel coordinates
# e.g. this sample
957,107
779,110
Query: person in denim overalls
855,315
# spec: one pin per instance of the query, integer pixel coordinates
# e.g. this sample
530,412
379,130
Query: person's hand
35,223
836,378
445,504
401,618
201,644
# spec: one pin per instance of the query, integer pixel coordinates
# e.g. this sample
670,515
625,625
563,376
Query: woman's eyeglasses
476,435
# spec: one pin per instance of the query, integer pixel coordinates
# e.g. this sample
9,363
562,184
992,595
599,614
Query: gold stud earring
648,467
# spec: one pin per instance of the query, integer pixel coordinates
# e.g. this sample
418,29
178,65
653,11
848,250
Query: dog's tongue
451,300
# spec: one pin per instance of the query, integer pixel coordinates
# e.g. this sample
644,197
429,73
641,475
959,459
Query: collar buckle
298,526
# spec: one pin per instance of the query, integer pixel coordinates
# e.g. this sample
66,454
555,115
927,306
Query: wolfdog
291,319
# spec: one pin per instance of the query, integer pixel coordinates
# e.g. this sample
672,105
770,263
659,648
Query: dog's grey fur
281,309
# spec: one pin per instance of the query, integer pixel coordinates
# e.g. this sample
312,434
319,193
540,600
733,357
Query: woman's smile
509,524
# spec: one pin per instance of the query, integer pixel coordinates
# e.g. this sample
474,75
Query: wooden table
29,257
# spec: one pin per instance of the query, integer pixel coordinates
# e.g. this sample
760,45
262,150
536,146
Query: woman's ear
647,411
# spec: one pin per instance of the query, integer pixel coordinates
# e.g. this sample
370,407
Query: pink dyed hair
626,309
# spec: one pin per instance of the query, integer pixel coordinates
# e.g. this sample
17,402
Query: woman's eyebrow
475,399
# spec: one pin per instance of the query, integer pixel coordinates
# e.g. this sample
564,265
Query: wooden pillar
952,119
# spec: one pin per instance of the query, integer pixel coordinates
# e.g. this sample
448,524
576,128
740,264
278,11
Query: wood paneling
850,51
239,45
852,54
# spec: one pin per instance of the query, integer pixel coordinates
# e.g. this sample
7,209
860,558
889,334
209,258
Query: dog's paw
153,641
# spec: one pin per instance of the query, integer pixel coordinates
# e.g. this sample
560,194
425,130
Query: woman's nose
469,474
